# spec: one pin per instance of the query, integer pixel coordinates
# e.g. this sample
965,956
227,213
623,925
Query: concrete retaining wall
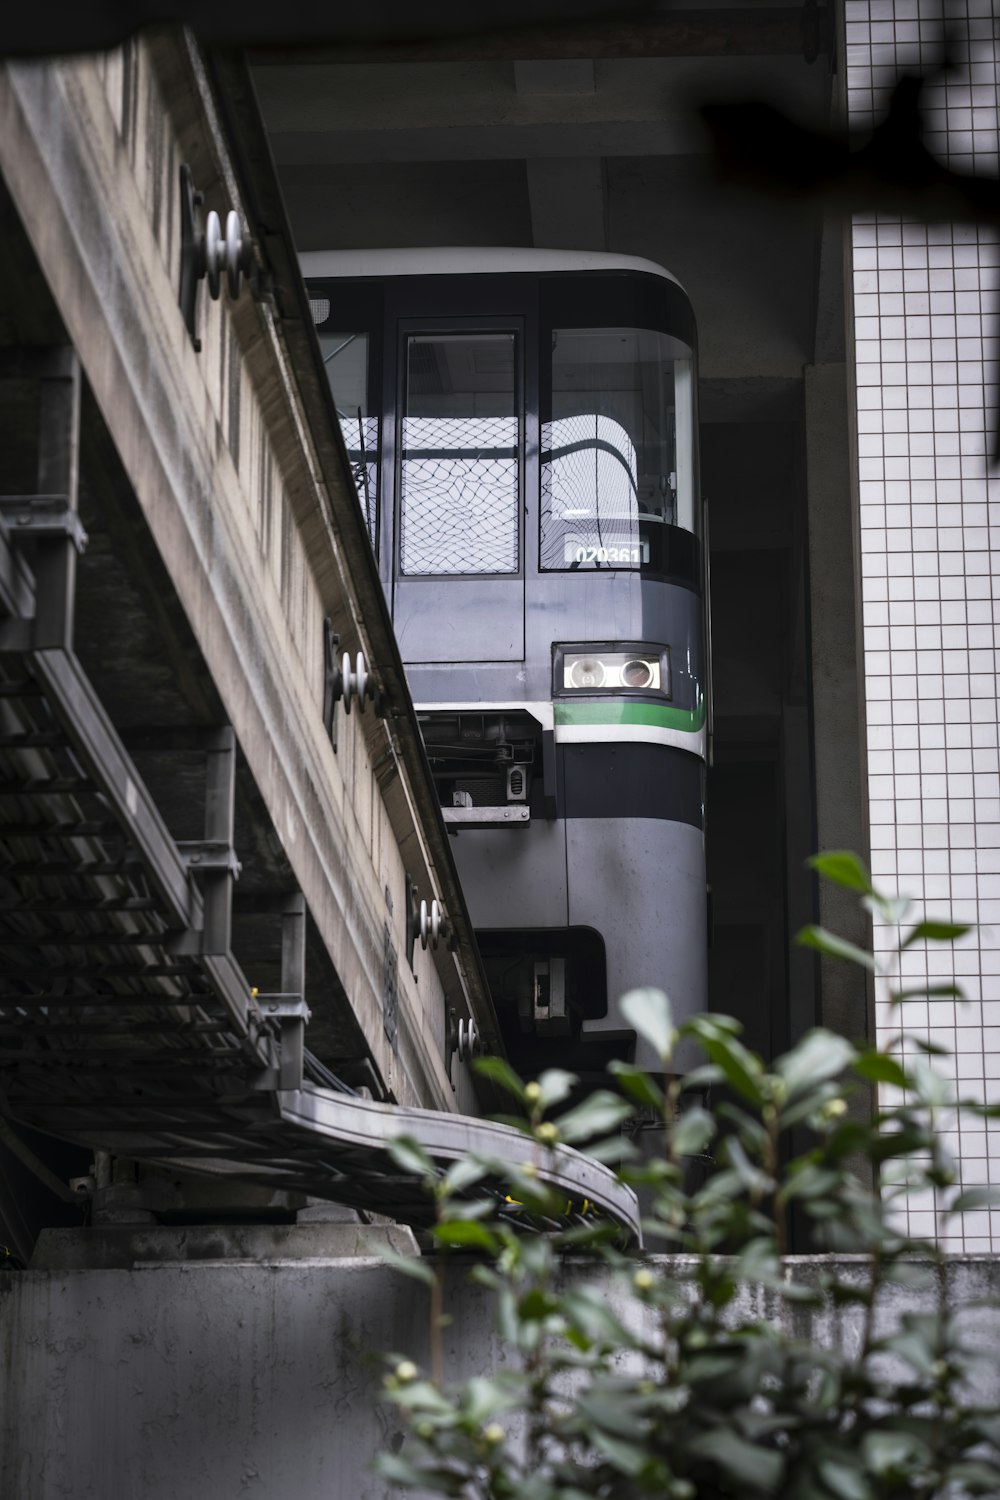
211,1379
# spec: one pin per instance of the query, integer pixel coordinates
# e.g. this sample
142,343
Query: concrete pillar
837,682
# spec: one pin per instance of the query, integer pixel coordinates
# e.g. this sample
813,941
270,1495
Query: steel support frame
47,524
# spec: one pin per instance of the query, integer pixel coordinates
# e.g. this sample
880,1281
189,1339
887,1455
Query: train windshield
460,480
617,448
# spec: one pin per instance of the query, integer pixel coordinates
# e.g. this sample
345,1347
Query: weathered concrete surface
260,1378
124,1247
222,455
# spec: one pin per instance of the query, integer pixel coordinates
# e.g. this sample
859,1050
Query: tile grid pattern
926,325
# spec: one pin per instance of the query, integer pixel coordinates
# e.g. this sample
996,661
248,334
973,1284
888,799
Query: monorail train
523,426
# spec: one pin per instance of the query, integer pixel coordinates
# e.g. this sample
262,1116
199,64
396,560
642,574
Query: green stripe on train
652,715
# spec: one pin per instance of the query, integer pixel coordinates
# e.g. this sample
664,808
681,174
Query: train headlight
639,673
604,670
583,672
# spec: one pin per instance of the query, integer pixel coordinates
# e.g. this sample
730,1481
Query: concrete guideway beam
190,431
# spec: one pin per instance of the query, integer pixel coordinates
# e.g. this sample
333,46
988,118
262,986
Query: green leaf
810,1181
465,1234
917,1344
930,1049
483,1399
893,910
751,1176
556,1085
536,1305
520,1123
589,1235
928,992
612,1412
844,868
588,1312
627,1458
397,1470
833,946
930,1086
638,1085
423,1397
976,1477
705,1076
598,1115
410,1265
649,1012
886,1451
742,1069
843,1480
877,1067
818,1056
463,1174
693,1131
745,1463
411,1157
501,1072
472,1208
936,932
613,1150
975,1197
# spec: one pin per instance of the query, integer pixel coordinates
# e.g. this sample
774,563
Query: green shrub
680,1386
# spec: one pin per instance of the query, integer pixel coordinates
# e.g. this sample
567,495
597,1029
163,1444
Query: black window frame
358,308
618,298
427,327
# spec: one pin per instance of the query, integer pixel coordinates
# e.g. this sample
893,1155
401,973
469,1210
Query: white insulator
361,679
347,681
468,1039
214,251
234,253
431,923
355,682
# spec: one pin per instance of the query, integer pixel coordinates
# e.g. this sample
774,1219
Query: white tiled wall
926,328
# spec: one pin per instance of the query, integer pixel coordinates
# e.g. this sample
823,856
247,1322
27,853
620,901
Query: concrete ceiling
463,142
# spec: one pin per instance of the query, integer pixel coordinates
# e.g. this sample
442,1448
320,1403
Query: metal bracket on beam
286,1016
48,519
203,857
212,858
286,1013
411,919
42,518
216,255
330,683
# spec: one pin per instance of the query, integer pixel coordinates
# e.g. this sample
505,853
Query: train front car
524,430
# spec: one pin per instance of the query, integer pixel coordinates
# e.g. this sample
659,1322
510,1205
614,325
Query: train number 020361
630,554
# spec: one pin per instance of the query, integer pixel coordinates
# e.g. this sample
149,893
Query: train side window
617,439
345,356
459,466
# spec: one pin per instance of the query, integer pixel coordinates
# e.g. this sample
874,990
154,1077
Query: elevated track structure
222,861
